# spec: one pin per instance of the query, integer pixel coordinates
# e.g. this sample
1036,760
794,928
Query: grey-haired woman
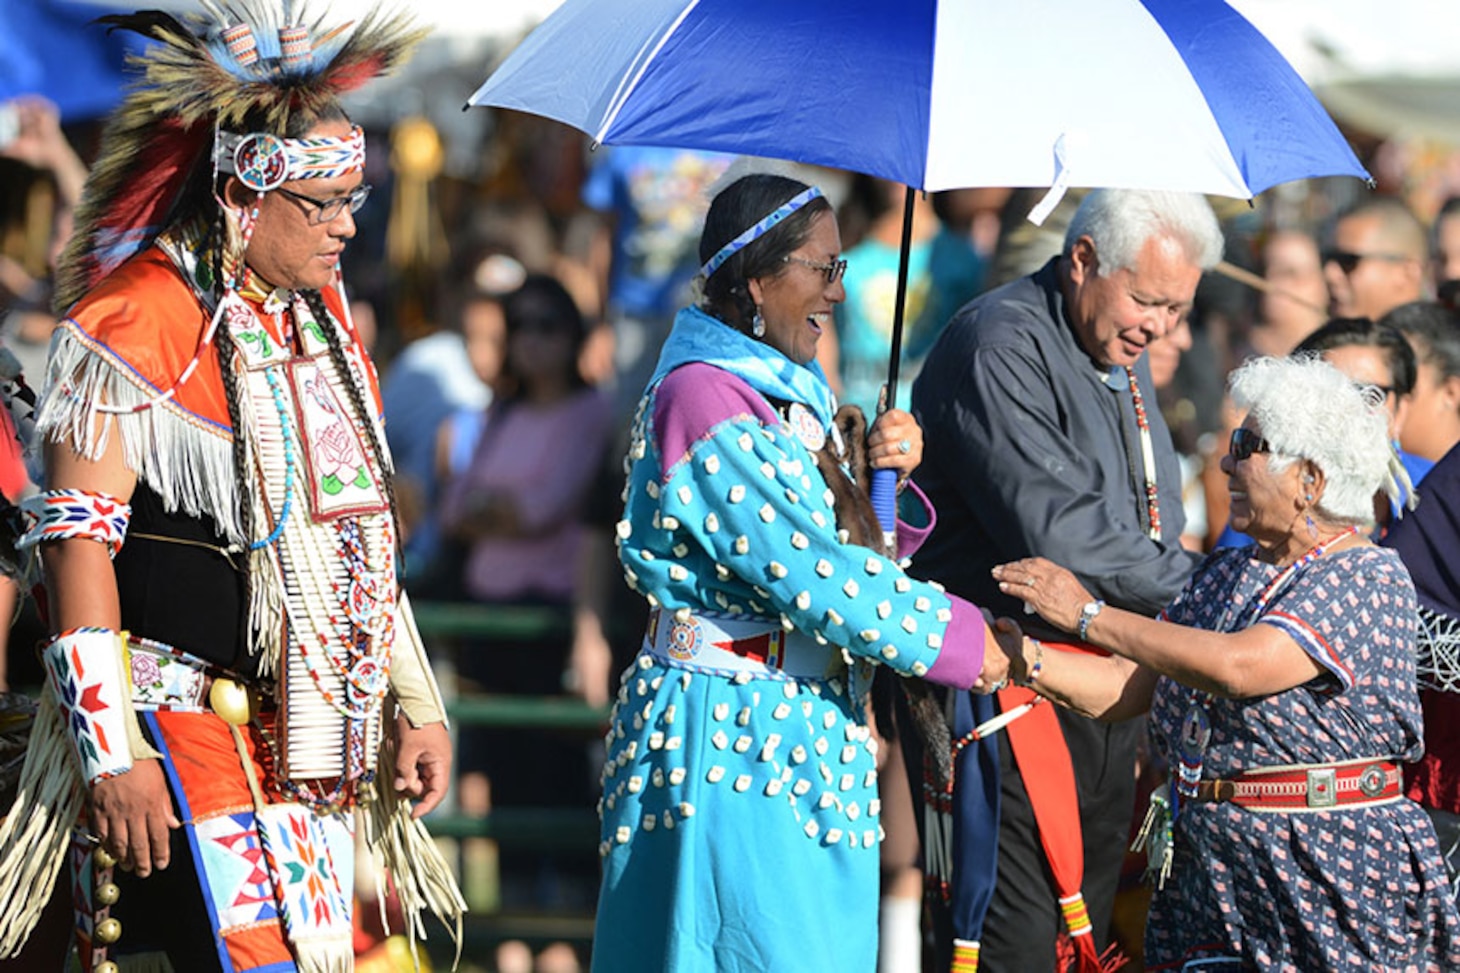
1281,690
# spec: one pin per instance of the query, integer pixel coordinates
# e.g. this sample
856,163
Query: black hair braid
227,353
358,399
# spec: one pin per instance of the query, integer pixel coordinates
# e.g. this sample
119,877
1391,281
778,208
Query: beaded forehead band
759,229
263,162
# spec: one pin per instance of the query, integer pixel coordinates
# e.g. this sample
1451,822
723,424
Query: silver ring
1029,582
904,446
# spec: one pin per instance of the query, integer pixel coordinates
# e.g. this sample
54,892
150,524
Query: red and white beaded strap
57,515
1148,457
86,668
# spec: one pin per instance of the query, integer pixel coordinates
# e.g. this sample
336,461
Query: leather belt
1308,787
756,646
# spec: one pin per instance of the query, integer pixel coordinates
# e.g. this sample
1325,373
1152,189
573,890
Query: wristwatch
1087,615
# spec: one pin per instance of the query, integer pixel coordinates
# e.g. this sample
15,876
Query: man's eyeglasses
833,271
1347,260
327,210
1245,442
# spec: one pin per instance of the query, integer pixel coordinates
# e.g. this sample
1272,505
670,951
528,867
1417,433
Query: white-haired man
1038,409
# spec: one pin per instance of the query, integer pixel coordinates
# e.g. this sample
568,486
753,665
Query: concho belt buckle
1372,780
1322,787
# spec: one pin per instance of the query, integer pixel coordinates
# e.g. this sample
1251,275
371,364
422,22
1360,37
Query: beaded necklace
1196,728
1148,457
338,572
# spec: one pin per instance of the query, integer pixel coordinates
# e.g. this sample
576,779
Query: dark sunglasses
327,210
1245,442
1347,260
833,271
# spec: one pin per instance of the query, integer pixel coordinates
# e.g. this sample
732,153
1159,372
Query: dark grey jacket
1032,449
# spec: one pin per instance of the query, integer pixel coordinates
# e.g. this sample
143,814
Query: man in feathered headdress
235,682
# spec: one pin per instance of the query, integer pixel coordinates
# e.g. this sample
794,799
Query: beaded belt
169,679
1308,787
753,645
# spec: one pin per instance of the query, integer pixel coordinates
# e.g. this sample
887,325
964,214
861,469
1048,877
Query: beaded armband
63,514
86,667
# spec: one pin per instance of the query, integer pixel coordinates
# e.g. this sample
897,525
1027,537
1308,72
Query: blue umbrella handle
884,499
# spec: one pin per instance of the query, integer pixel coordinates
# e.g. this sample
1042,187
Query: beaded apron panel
329,527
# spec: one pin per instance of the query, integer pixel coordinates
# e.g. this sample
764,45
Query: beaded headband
759,229
263,162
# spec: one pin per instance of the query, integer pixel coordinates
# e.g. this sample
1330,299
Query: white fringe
402,847
189,465
1438,651
36,836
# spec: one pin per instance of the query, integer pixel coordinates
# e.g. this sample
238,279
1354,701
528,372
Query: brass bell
106,966
102,858
107,931
231,701
107,893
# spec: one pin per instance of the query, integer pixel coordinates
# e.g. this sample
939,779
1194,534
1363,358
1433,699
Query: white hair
1307,409
1120,221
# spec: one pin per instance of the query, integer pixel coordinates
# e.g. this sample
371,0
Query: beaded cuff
85,667
63,514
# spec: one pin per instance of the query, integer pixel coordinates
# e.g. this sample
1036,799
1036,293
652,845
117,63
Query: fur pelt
845,466
848,472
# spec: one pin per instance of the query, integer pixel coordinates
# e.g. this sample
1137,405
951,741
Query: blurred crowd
513,351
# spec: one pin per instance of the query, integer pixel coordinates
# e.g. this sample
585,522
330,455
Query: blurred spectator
1294,305
1375,260
655,201
1432,425
1374,354
431,378
944,272
1445,252
1428,541
1164,356
36,141
1445,242
479,327
519,505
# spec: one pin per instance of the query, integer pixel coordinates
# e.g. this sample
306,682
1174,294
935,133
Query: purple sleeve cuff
960,660
910,536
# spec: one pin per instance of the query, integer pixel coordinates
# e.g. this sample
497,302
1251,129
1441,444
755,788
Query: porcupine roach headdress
252,59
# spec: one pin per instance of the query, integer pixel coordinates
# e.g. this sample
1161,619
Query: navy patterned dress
1359,888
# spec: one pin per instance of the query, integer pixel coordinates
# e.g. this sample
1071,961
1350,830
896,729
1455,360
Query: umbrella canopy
1140,94
1149,94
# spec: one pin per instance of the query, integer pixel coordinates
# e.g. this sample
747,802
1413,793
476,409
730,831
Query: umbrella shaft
904,257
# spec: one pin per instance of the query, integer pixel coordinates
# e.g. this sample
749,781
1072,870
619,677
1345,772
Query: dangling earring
757,325
1312,527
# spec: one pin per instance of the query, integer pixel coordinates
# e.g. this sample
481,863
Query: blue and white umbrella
1150,94
1141,94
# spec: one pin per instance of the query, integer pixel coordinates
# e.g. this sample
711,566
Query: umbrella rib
622,96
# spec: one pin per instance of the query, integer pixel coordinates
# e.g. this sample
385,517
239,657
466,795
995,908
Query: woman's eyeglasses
326,210
832,271
1245,442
